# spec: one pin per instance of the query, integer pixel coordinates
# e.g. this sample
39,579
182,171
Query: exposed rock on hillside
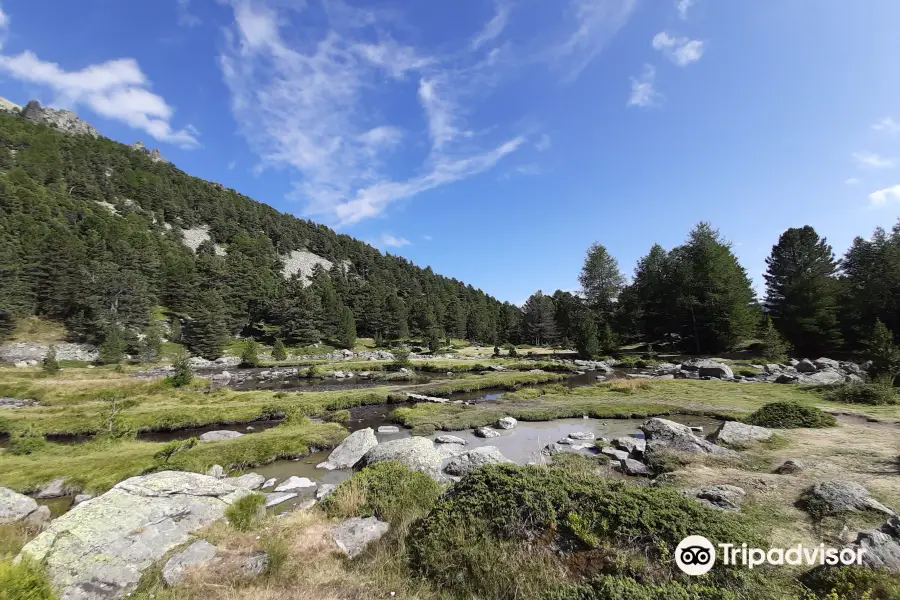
64,120
24,351
302,263
195,236
7,106
155,156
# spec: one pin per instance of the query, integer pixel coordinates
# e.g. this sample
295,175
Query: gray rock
827,363
351,450
388,429
617,454
708,368
600,377
475,458
789,467
29,351
735,432
667,376
305,504
197,554
353,535
507,423
664,434
839,496
250,481
551,449
631,445
826,377
216,471
54,489
277,498
450,439
582,436
17,403
787,378
253,565
772,368
100,549
417,453
15,506
215,436
805,366
39,516
325,490
882,546
450,450
269,483
294,483
486,432
634,467
81,499
63,120
722,496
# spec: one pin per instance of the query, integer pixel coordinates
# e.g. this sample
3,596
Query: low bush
852,583
860,393
508,532
387,490
246,511
26,440
24,581
790,415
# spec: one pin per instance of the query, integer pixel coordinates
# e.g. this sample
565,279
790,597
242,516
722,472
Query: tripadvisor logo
696,555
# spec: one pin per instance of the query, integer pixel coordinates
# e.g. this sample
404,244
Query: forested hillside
92,235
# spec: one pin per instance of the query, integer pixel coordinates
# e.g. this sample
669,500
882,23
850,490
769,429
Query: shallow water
183,434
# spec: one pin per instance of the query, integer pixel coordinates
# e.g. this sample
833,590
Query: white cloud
494,27
873,160
887,125
427,238
683,6
680,50
642,92
596,22
394,242
880,197
851,181
185,17
116,89
543,144
4,26
305,104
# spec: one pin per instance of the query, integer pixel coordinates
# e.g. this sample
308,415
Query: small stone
269,483
790,467
506,423
486,432
633,467
582,435
450,439
631,445
325,490
54,489
250,481
722,497
295,483
216,471
253,566
198,553
81,498
735,432
353,535
306,504
617,454
388,429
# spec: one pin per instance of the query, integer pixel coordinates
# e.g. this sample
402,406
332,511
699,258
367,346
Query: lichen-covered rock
215,436
721,497
882,546
475,458
351,450
353,535
99,549
16,507
836,496
199,553
417,453
735,432
664,434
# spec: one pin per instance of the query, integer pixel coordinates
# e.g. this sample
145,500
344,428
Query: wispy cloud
851,181
887,125
881,197
683,6
4,27
873,160
185,17
680,50
427,238
394,242
232,165
543,143
494,27
643,93
595,23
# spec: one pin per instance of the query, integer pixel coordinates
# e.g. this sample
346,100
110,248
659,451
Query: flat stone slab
294,483
276,498
353,535
198,553
475,458
735,432
450,439
215,436
250,481
351,450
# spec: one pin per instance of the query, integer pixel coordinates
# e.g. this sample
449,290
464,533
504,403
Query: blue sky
496,139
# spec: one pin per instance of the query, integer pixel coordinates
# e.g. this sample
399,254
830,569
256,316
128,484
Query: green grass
24,581
246,511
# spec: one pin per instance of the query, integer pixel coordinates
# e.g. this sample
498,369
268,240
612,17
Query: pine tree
649,299
206,334
884,353
49,364
773,345
278,350
151,346
606,340
346,329
600,278
175,330
586,341
300,317
434,340
112,350
183,373
802,291
396,327
538,321
250,354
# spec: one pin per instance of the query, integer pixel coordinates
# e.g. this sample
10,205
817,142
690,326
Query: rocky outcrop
8,106
417,453
721,497
197,554
882,546
475,458
154,154
351,450
353,535
16,507
64,120
836,496
735,432
662,434
100,548
28,351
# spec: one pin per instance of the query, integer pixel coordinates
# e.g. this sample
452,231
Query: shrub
860,393
853,583
24,581
511,350
338,416
250,354
387,490
26,441
112,350
49,364
401,359
773,346
174,447
884,354
790,415
246,511
184,373
279,352
508,532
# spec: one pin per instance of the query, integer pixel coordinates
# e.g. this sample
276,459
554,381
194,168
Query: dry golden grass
629,386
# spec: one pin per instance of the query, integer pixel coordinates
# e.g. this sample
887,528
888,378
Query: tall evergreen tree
585,328
396,325
801,291
600,278
206,334
300,316
537,319
346,331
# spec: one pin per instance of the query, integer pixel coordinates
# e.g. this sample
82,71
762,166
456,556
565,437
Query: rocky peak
7,106
64,120
154,154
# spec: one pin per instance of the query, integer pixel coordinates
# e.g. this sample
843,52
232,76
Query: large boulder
882,546
837,496
824,377
351,450
507,423
353,535
487,432
721,497
215,436
475,458
805,366
662,434
15,507
635,467
99,549
417,453
631,445
199,553
735,432
250,481
826,363
708,368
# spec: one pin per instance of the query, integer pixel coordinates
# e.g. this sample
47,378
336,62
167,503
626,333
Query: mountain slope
95,234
